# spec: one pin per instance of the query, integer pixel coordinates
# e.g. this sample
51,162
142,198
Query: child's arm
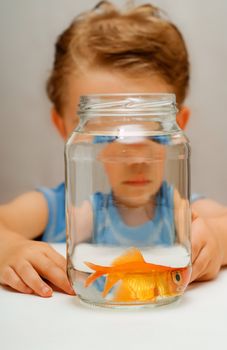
25,263
208,235
209,239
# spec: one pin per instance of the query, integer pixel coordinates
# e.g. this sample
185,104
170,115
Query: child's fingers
10,278
197,240
53,273
200,265
197,246
194,215
195,251
209,273
32,279
57,258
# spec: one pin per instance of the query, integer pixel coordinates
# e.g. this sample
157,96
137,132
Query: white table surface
198,321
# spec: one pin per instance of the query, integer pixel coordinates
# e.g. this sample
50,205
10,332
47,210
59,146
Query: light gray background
31,152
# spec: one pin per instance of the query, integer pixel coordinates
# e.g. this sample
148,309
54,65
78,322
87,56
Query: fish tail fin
92,278
99,271
110,281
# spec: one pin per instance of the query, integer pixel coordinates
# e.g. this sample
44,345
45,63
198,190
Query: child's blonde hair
138,40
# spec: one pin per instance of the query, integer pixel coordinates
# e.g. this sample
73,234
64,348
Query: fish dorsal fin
130,255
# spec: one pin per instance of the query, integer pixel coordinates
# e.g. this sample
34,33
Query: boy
103,51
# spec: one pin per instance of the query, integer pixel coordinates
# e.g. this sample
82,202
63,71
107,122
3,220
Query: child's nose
139,165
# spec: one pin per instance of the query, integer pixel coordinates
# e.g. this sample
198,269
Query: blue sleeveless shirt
109,228
55,229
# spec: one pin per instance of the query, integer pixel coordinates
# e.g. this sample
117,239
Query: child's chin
136,202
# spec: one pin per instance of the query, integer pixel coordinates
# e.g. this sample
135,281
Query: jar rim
133,94
128,103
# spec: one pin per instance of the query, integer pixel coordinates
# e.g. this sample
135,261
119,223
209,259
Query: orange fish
140,281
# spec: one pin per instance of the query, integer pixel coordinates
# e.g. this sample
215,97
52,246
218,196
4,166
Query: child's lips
137,182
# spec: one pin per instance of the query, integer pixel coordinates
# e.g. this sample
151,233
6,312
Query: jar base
132,305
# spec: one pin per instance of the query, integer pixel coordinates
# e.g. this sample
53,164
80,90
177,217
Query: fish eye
176,275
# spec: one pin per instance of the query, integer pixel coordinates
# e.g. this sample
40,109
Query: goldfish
139,281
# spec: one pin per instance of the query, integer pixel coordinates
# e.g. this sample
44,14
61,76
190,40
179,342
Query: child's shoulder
55,198
54,193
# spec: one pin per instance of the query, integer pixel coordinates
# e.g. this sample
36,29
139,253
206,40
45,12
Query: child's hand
25,263
207,254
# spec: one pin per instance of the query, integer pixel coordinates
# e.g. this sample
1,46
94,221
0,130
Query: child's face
133,181
134,170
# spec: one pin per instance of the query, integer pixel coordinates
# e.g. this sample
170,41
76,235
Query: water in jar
128,217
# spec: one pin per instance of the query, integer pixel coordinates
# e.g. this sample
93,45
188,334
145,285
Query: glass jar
127,201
